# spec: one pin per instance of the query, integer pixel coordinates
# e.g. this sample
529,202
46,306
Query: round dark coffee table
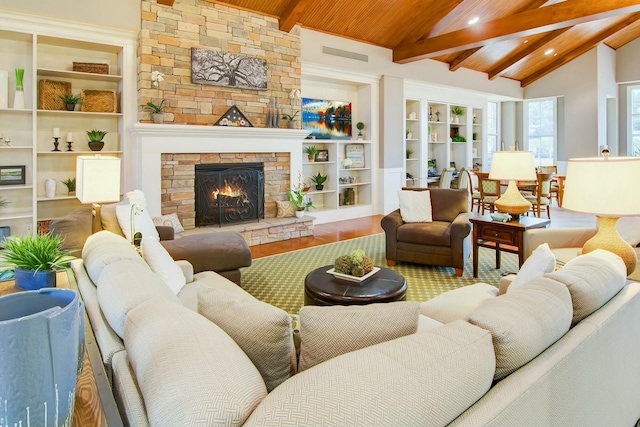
322,288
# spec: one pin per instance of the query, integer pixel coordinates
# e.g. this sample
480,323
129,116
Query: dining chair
489,191
445,179
541,195
474,189
552,169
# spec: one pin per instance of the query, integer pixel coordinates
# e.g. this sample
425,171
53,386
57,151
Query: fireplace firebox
229,193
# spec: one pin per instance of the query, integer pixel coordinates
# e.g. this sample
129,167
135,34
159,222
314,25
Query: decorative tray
353,278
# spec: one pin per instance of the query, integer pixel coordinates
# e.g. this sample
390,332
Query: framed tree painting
326,119
211,67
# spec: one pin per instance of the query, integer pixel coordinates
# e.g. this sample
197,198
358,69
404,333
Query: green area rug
279,279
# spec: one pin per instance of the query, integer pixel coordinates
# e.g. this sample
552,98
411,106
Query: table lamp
512,166
608,188
97,181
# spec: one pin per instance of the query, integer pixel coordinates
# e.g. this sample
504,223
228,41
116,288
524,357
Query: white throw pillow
162,264
415,206
170,220
142,222
541,261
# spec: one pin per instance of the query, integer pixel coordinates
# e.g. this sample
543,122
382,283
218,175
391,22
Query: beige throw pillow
415,206
524,322
285,209
541,261
261,330
170,220
327,332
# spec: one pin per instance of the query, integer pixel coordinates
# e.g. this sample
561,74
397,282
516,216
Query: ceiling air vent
345,54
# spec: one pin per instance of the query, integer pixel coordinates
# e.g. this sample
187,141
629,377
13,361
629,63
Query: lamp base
512,202
607,238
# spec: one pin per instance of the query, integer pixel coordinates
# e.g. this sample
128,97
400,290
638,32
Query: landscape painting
210,67
326,119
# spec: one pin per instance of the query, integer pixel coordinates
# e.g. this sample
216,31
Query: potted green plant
298,198
71,186
290,119
456,112
35,259
360,127
459,138
311,152
96,139
475,136
70,100
157,111
409,152
319,180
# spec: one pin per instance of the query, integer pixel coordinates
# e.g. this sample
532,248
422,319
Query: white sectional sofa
214,355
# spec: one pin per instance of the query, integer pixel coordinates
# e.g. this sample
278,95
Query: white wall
607,89
577,82
628,62
106,13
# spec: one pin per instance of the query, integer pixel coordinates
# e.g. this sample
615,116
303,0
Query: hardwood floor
350,229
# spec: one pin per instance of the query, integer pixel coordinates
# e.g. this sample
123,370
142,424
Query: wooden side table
95,404
493,234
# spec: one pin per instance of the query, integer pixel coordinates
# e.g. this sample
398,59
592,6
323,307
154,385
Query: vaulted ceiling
517,39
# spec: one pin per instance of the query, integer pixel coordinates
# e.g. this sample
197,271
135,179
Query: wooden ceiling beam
292,14
585,47
510,61
544,19
463,57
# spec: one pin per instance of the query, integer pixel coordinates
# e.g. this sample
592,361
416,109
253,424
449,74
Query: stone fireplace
164,159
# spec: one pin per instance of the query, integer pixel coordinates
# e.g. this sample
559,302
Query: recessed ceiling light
473,20
548,52
526,41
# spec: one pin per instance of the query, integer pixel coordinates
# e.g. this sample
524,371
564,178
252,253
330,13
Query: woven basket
50,92
98,101
91,67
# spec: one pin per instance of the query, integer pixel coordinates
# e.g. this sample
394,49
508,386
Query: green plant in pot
409,152
456,111
290,119
298,199
157,111
96,139
35,259
71,185
360,127
319,180
311,152
70,100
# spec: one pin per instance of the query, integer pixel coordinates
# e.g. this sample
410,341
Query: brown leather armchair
444,242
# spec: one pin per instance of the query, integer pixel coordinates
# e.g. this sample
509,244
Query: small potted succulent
456,112
70,101
71,186
409,152
96,137
157,111
311,152
290,119
319,180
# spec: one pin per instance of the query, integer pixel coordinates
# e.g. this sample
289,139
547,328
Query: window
492,132
633,111
540,125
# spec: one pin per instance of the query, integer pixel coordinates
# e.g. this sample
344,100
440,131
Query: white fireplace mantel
152,140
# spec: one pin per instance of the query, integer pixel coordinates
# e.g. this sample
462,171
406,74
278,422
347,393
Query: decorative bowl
353,278
500,217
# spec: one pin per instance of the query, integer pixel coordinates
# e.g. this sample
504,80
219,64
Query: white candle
69,137
56,132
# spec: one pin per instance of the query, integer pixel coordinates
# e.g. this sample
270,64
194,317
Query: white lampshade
603,187
97,179
513,165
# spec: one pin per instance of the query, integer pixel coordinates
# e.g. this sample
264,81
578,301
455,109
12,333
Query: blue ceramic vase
42,335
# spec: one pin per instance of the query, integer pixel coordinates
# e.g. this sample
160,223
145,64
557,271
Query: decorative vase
18,97
50,188
30,280
96,145
158,117
311,158
42,363
299,214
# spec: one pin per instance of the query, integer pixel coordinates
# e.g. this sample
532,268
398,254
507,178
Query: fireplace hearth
229,193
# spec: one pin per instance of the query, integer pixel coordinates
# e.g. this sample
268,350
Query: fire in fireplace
229,193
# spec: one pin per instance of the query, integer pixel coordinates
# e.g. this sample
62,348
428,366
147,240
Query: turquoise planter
42,335
30,280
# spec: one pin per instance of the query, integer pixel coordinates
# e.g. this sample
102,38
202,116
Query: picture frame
322,156
211,67
12,175
355,152
326,119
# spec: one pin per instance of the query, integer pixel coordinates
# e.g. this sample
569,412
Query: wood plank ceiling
511,39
